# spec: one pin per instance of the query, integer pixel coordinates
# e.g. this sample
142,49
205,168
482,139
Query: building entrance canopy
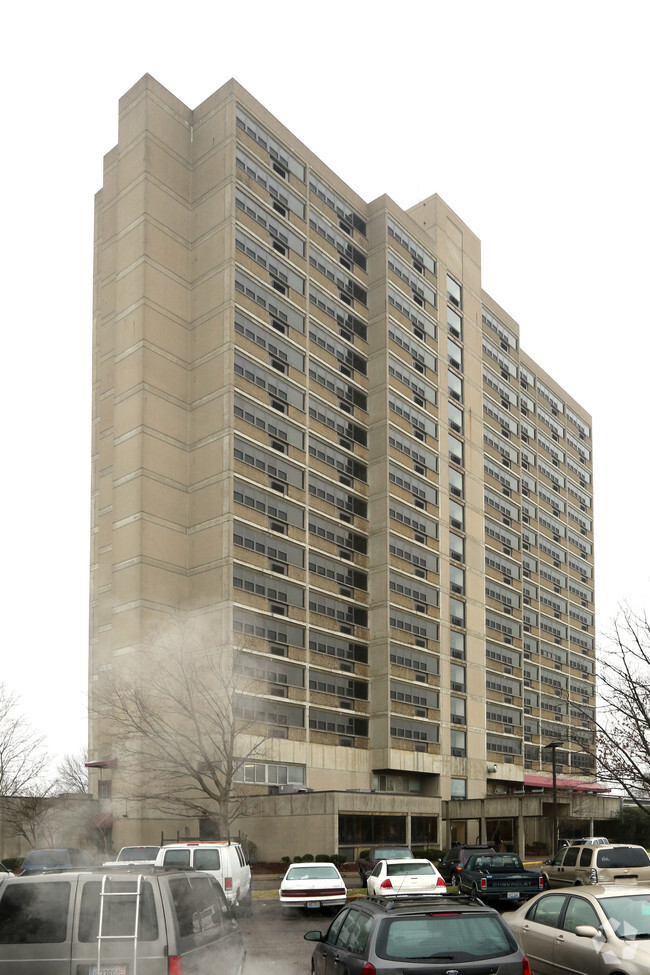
575,785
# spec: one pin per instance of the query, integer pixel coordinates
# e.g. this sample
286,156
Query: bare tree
72,774
178,722
23,761
622,721
30,816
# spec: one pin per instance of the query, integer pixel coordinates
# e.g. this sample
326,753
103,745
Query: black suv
455,859
423,935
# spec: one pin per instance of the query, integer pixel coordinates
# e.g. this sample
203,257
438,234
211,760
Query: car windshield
451,937
624,856
388,853
629,915
408,868
318,872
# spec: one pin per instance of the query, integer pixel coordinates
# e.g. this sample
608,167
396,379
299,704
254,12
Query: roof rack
390,902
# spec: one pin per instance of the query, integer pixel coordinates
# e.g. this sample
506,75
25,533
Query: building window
424,831
458,743
457,677
459,788
457,710
454,354
456,547
455,384
454,292
456,483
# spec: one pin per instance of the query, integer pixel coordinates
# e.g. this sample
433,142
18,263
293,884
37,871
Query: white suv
223,860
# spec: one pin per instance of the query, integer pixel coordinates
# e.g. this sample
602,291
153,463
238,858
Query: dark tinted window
119,911
200,905
348,926
177,858
34,913
207,860
359,934
457,937
335,927
585,857
624,856
571,856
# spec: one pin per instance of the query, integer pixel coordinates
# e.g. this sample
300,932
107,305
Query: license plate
313,904
107,970
513,895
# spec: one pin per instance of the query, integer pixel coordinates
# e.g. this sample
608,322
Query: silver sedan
598,930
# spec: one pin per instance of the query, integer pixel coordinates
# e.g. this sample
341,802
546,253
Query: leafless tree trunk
622,722
176,722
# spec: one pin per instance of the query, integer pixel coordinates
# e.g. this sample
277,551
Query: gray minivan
149,922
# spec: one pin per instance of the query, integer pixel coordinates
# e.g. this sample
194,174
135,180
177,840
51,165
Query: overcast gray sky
529,119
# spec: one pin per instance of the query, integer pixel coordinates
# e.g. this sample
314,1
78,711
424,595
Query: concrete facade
317,435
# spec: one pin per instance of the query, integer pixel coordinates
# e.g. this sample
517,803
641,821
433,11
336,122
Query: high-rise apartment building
313,424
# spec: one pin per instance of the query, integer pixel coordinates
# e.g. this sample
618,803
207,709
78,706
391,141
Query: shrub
297,859
286,859
324,858
307,857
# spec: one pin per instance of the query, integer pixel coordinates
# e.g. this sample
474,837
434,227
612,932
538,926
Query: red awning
574,785
103,763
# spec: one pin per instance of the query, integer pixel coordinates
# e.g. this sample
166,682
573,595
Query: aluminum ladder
136,895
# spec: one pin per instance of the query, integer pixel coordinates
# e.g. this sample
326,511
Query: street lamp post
554,745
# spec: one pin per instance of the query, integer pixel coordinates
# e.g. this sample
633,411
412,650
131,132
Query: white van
223,860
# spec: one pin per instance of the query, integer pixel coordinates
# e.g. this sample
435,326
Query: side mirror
587,931
313,936
548,863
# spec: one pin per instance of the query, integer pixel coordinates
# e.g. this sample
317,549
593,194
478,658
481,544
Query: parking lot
276,944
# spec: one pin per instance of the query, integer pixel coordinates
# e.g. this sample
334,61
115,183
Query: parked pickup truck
499,877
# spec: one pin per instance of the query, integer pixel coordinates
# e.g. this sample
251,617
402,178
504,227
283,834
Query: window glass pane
547,910
458,788
199,907
119,912
579,911
34,913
